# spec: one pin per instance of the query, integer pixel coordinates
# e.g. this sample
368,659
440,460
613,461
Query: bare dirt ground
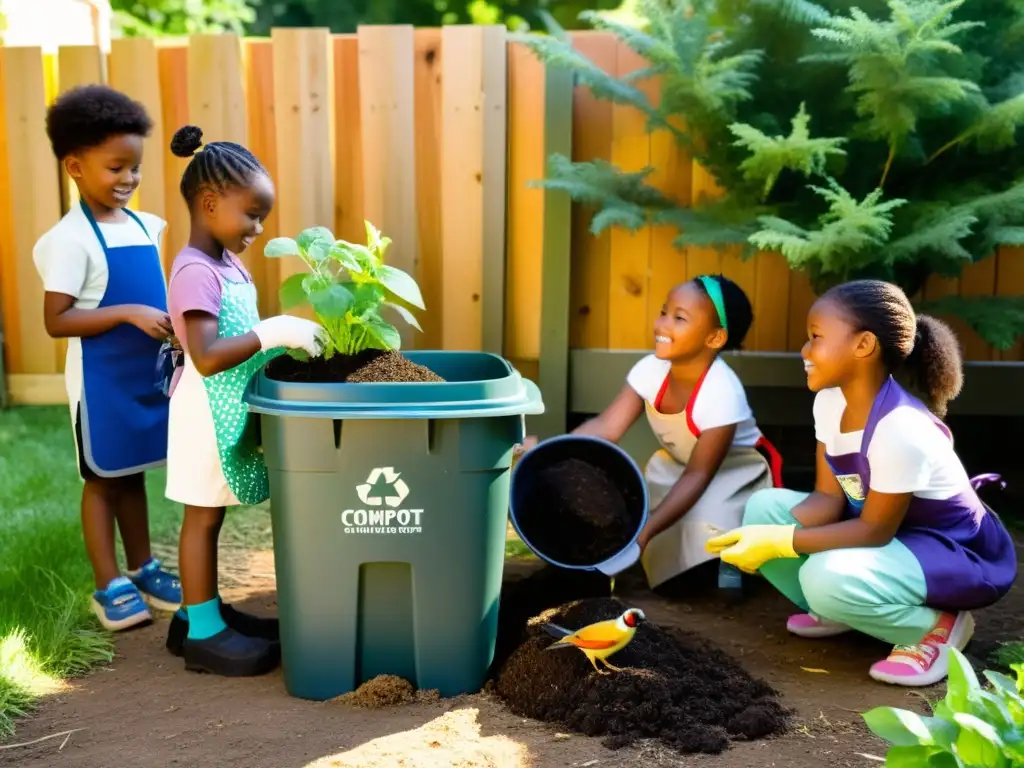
145,710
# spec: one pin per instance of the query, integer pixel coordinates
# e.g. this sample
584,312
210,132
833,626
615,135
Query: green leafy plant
348,285
881,138
972,727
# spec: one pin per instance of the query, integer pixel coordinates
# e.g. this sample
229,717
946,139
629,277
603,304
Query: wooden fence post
473,186
348,137
216,91
77,65
30,203
134,69
262,142
303,87
172,63
386,88
555,281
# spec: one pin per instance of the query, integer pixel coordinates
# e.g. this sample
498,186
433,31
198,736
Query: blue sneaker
159,588
120,605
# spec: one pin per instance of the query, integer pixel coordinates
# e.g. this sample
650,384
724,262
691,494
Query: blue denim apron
124,417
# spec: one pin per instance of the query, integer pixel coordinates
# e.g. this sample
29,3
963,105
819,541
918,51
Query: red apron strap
661,394
774,460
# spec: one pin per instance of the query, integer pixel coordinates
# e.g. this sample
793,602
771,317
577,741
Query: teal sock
204,620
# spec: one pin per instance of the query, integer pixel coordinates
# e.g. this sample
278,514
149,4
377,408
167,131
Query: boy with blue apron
104,292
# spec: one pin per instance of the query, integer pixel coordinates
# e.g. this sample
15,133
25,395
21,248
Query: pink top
195,285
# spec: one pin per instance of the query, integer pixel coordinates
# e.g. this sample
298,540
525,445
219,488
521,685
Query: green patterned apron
236,428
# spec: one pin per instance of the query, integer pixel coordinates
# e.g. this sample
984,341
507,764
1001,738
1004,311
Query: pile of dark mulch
526,597
575,513
370,366
674,687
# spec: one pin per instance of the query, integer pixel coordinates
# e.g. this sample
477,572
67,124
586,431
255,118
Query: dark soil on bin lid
674,687
371,366
575,514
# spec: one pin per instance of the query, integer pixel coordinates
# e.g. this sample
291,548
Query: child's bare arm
211,355
821,515
611,424
709,453
875,527
616,419
63,319
825,506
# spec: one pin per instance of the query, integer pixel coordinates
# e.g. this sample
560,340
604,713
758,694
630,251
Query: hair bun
186,141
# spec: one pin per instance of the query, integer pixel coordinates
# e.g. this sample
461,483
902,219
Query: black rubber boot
231,654
243,623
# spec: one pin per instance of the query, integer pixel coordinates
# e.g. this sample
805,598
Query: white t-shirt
70,260
68,266
720,401
908,452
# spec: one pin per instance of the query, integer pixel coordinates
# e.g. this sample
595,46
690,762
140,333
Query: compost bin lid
477,384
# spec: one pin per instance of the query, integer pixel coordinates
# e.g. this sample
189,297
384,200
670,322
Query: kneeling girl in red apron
712,456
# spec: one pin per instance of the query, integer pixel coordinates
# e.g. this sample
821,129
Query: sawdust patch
452,740
386,691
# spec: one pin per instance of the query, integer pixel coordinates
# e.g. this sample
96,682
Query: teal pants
879,591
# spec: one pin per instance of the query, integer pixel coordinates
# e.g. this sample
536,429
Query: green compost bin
389,506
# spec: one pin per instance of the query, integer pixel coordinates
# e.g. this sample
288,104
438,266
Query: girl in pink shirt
213,458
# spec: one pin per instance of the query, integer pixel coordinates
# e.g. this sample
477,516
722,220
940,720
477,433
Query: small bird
599,640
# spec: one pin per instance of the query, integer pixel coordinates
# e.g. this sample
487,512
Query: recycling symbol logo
391,480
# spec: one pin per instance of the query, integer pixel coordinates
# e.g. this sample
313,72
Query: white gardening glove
291,333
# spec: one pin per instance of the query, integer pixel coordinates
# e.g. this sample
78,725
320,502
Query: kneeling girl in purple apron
105,293
894,541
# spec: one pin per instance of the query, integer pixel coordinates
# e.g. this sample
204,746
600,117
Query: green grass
1008,654
47,632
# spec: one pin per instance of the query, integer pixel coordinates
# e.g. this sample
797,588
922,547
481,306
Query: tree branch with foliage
877,141
155,18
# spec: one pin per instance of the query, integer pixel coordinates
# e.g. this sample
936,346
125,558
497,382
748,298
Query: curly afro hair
87,116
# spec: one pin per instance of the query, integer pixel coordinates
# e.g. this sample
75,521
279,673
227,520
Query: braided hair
738,312
924,348
220,165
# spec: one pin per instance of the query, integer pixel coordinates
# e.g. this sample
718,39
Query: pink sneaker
809,625
927,662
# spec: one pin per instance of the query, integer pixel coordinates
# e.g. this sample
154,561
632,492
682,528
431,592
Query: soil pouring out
673,687
575,513
369,366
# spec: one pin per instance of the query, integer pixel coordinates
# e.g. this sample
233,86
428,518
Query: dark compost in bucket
581,509
674,687
371,365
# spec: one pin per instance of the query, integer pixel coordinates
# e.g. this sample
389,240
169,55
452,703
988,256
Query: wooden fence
433,135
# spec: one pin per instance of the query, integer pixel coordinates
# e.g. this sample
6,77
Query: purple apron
967,556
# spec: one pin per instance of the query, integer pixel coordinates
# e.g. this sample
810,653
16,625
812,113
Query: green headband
714,291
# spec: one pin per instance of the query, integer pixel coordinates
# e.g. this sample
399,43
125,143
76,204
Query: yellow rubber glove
752,546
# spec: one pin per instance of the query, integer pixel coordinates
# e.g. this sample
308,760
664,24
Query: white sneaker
927,662
814,627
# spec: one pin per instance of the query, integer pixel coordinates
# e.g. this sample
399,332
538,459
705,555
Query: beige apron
681,547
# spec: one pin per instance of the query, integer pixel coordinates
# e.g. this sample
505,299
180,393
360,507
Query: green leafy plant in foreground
348,285
972,727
